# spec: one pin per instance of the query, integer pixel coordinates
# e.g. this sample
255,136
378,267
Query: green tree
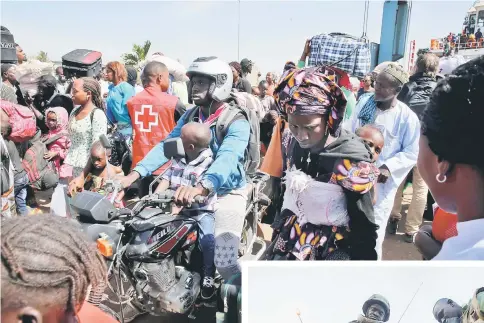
138,55
42,56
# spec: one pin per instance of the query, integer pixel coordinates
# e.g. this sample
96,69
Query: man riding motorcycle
376,310
211,81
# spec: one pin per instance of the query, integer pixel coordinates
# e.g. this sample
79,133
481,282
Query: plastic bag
29,73
449,64
175,68
181,91
59,204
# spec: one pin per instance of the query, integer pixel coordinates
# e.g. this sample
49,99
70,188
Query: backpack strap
92,113
191,115
231,114
51,140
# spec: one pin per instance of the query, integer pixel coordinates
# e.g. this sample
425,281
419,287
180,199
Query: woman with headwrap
327,211
120,92
240,84
86,123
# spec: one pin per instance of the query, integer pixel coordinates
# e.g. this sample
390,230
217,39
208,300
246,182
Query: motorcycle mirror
105,141
173,148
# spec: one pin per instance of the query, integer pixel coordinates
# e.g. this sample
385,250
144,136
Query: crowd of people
377,310
351,166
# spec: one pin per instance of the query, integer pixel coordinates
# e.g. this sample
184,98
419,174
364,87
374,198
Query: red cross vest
152,115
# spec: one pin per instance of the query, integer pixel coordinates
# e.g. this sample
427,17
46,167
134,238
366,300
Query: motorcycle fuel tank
156,238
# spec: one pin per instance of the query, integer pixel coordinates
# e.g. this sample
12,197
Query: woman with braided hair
450,160
327,210
48,267
86,122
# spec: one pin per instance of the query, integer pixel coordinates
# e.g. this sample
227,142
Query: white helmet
217,70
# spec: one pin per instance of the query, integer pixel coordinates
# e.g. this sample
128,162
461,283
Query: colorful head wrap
310,92
289,66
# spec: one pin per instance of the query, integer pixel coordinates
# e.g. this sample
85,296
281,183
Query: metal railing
458,44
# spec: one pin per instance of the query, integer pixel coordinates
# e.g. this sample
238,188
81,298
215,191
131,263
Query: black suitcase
82,62
9,50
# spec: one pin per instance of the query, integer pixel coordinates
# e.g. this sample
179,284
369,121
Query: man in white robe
401,130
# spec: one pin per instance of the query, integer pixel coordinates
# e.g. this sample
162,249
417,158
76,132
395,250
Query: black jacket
243,85
416,93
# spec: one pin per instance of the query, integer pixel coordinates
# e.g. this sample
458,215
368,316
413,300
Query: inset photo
363,293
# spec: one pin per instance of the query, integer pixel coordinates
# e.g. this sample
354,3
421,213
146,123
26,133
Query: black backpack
237,109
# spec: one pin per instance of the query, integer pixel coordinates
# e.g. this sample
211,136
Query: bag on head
22,120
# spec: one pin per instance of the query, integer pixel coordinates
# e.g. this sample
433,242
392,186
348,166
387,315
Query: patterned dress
83,134
321,228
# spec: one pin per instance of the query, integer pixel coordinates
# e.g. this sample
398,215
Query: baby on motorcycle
188,171
97,171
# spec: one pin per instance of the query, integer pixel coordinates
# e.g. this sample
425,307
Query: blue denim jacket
227,171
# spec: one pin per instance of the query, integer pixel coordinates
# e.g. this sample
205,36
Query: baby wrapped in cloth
327,212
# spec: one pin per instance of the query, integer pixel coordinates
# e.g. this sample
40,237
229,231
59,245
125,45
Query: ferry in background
465,43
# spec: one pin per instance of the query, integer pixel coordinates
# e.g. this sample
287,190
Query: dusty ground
394,248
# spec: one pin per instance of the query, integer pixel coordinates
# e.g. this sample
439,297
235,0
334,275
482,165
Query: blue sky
334,293
271,32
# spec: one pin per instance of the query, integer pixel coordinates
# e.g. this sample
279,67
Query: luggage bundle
29,73
41,173
350,54
175,68
21,119
81,63
9,50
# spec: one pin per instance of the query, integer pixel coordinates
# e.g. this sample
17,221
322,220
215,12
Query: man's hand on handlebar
127,180
184,195
175,209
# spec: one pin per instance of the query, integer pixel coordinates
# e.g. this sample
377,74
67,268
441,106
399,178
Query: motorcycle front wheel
124,297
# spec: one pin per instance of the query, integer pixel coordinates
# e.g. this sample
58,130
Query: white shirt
401,130
104,87
138,89
467,245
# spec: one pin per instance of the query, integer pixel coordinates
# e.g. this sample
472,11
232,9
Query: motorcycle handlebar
264,200
169,194
124,212
115,214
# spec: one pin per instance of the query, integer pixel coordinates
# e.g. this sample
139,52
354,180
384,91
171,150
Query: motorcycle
156,255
